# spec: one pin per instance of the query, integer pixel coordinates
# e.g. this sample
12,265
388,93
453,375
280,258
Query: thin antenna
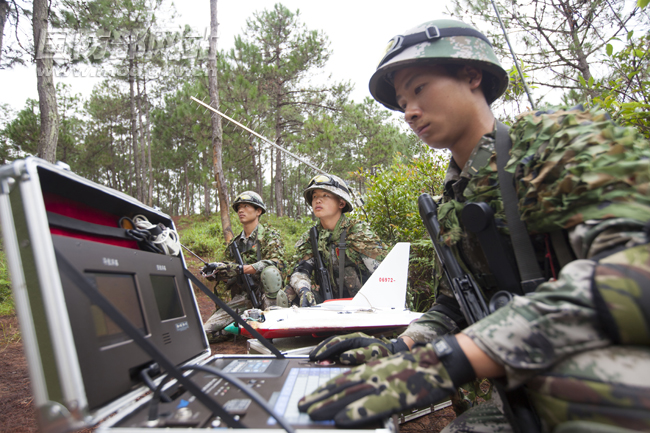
358,200
258,135
514,57
190,251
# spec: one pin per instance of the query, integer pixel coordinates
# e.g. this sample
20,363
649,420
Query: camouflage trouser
603,390
241,300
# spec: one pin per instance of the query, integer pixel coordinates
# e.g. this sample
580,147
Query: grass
9,334
6,299
204,236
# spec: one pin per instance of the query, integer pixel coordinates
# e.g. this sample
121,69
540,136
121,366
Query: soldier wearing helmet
578,341
349,249
262,250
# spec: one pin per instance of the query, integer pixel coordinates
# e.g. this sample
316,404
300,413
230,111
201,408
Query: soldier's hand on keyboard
356,348
377,389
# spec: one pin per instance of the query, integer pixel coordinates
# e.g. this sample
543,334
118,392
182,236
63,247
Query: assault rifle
245,278
516,405
465,289
322,276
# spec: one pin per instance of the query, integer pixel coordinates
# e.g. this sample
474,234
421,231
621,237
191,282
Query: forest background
139,132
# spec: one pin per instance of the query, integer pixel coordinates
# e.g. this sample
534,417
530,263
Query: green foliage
563,45
391,198
626,93
204,235
391,206
23,130
6,300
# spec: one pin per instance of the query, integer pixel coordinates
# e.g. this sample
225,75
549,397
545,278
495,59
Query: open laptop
71,266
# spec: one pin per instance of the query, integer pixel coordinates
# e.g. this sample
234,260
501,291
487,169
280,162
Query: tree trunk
583,63
258,172
272,186
217,139
187,189
278,154
134,131
148,130
143,146
4,13
49,133
278,183
206,198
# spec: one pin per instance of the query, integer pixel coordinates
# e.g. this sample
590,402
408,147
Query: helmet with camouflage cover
331,183
438,42
249,197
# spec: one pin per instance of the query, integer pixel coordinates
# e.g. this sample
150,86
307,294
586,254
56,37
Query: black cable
143,237
241,322
144,376
153,407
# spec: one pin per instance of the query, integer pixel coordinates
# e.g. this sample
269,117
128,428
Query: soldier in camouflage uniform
578,344
262,251
338,236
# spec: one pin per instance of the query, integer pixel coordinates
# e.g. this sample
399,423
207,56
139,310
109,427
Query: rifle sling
516,405
341,258
258,245
342,247
529,271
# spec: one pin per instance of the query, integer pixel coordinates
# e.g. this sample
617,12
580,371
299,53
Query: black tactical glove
356,348
378,389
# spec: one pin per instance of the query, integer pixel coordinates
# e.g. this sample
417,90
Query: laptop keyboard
300,382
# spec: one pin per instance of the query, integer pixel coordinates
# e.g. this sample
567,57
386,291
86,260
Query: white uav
379,306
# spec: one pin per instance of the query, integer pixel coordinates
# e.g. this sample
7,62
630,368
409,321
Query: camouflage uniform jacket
262,248
364,251
575,172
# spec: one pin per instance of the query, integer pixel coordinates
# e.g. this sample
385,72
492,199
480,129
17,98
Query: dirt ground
16,405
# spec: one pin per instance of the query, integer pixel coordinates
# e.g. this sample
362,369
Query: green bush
392,196
392,211
6,300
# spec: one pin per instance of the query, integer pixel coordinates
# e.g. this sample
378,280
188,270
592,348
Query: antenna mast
514,57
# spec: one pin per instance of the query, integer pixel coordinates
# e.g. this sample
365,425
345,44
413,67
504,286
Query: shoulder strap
342,246
531,275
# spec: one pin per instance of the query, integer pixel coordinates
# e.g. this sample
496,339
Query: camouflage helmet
249,197
331,183
438,42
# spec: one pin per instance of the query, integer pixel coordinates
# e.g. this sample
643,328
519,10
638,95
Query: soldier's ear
258,211
473,75
341,203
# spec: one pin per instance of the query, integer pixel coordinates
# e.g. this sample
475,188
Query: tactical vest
346,278
621,281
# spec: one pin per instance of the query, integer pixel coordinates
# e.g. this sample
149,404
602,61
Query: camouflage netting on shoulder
573,166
